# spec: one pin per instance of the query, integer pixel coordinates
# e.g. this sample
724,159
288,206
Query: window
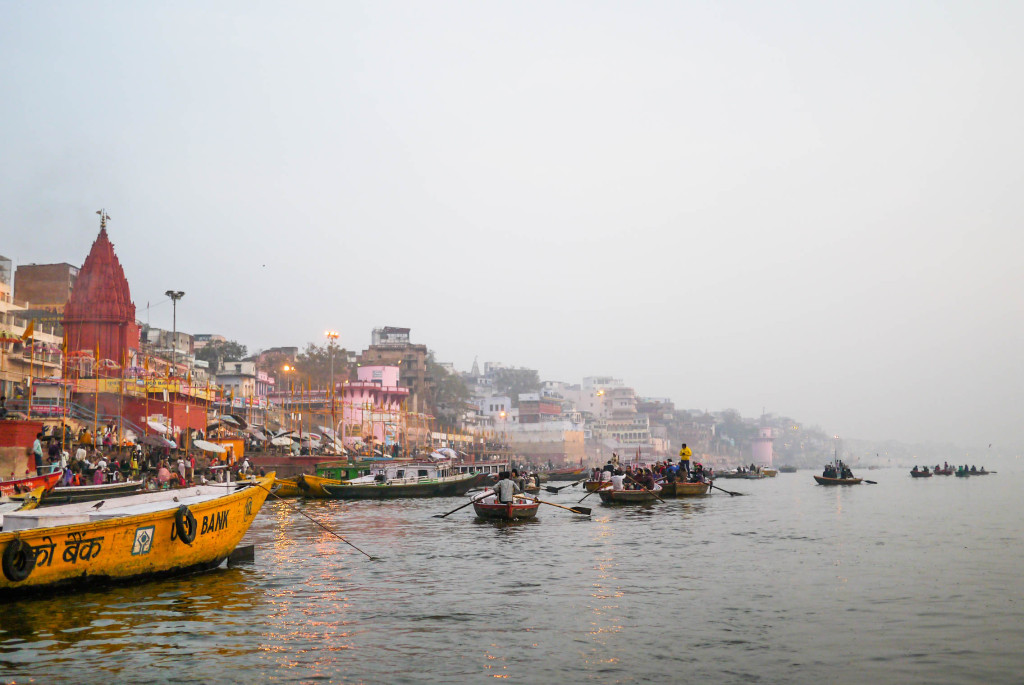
422,473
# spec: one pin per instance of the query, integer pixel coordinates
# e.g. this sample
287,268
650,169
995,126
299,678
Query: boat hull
595,485
449,487
17,487
305,485
566,474
90,493
683,489
921,474
131,547
506,512
616,497
822,480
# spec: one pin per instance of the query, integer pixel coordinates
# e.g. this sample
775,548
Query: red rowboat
520,509
16,487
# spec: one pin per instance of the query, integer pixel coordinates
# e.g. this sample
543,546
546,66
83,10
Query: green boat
392,480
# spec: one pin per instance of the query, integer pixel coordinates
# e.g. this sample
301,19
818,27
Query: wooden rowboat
305,485
678,489
154,534
595,485
90,493
822,480
522,508
921,474
627,496
566,474
17,487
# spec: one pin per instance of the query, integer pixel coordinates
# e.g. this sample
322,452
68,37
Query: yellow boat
305,485
159,533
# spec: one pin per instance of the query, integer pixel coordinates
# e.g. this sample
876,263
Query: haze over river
909,580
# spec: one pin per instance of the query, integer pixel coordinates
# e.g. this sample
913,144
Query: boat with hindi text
154,534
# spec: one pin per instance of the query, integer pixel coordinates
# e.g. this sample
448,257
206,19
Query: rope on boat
294,508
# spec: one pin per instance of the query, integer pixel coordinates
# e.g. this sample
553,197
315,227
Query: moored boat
407,479
566,474
17,487
68,494
627,496
521,508
22,502
305,485
679,489
153,534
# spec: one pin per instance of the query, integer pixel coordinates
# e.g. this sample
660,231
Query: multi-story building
37,357
46,288
391,346
244,382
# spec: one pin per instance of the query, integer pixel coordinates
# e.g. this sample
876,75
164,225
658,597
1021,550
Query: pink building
373,406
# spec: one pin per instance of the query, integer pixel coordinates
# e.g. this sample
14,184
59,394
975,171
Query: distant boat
787,469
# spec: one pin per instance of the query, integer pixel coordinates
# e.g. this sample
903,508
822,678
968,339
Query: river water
904,581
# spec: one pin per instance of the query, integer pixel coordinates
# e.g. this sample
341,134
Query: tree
512,382
448,393
218,351
314,364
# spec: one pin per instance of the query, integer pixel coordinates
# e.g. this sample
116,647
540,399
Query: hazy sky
809,207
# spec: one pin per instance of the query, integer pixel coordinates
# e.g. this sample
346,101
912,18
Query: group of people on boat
510,484
638,477
838,470
972,470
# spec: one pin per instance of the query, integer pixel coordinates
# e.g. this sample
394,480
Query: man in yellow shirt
684,458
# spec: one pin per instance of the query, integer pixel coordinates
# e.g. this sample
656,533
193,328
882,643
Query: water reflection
793,576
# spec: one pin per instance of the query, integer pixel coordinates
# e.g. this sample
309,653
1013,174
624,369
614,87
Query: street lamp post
175,295
331,337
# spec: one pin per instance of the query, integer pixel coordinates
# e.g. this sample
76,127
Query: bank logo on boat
143,540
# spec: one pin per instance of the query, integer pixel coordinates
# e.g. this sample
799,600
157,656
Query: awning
208,446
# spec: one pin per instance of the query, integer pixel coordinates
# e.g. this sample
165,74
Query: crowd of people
837,470
87,460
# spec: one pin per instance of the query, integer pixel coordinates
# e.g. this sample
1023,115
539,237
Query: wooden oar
645,489
603,486
441,516
371,558
869,481
734,494
576,510
552,488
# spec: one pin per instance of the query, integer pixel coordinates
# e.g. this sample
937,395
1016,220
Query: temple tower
100,314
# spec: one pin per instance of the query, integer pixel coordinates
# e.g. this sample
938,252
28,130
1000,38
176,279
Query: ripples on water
897,582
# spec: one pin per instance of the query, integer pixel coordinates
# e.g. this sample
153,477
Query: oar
372,558
576,510
602,487
552,488
441,516
645,489
734,494
869,481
